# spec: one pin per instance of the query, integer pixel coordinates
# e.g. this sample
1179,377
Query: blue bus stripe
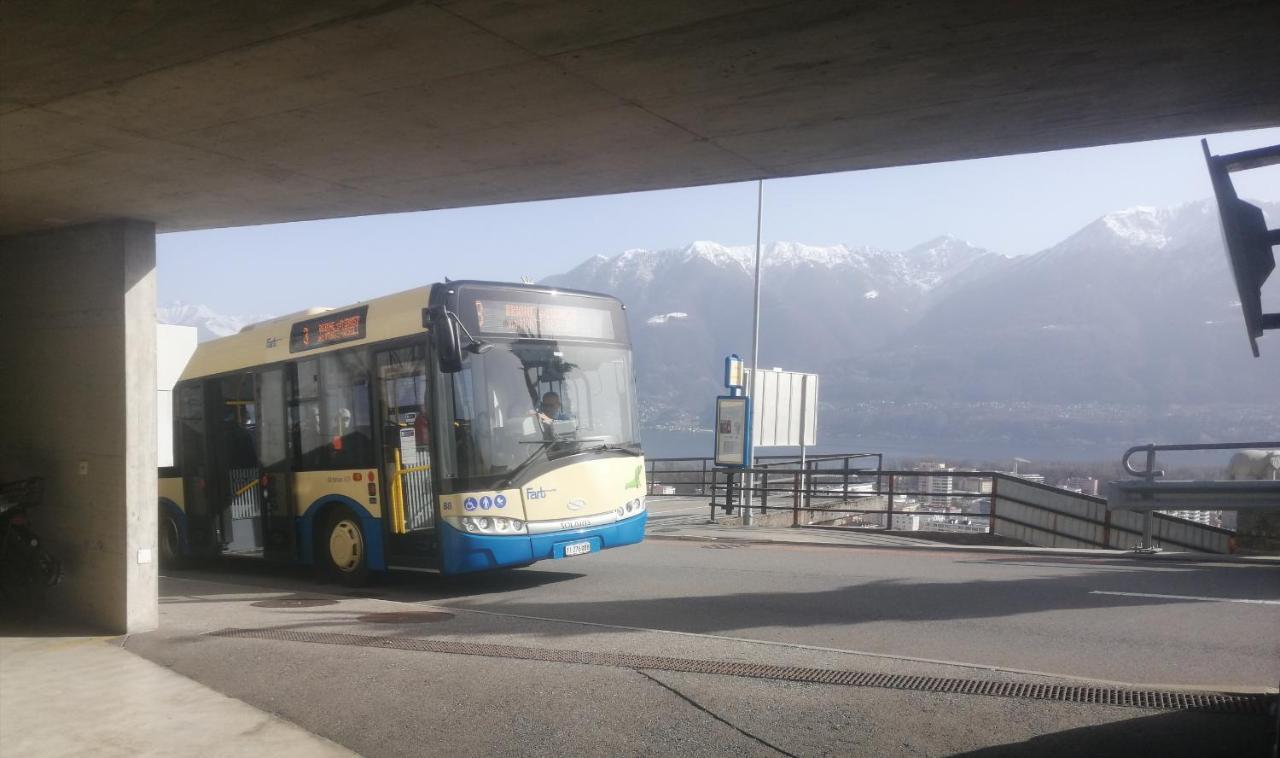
180,518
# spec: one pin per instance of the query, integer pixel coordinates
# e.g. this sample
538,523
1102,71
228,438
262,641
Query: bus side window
347,421
305,416
330,412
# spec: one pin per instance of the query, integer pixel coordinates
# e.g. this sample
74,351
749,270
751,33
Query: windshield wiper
631,450
544,445
542,448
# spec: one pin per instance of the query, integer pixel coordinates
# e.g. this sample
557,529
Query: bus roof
383,318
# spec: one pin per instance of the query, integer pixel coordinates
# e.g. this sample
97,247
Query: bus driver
551,410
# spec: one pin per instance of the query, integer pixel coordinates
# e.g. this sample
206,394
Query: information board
543,320
785,411
733,431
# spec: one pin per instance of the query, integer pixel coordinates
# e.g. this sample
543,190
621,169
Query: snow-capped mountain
1136,310
209,324
923,266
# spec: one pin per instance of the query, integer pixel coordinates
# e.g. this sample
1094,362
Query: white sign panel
785,411
409,448
731,431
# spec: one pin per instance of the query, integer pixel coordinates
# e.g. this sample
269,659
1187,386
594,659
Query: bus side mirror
444,335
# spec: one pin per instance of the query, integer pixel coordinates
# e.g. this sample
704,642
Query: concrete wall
78,399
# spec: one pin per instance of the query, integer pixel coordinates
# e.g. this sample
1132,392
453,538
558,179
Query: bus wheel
170,543
343,547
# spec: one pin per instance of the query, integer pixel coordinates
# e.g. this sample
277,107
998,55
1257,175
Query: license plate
577,548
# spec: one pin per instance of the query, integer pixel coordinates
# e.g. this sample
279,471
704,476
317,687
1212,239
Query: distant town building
939,488
1085,485
973,484
1037,478
174,347
923,522
1208,518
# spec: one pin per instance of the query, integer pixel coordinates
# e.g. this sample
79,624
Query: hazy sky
1013,205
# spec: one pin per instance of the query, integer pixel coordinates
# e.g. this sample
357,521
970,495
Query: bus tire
342,550
170,540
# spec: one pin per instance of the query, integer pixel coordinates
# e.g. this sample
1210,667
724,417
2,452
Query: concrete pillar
78,407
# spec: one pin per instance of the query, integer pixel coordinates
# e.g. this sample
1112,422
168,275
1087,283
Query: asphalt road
1035,613
881,610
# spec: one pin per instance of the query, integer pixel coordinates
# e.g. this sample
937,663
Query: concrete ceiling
223,112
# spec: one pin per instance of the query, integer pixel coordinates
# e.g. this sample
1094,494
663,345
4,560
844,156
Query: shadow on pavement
877,601
26,622
1177,734
256,576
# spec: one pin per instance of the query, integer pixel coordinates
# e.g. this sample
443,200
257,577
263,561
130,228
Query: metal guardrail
1147,495
1014,507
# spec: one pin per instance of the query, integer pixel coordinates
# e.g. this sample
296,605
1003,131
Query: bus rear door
273,453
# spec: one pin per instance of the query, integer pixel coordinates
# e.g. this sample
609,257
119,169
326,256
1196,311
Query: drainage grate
725,545
293,602
1217,702
406,617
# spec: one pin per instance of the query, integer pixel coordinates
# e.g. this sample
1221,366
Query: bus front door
409,508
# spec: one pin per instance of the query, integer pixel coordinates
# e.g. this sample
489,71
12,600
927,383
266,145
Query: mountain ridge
1134,312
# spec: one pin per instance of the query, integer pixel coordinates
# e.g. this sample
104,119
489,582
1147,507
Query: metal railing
700,476
828,489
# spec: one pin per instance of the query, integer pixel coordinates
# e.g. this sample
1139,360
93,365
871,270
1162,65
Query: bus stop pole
755,356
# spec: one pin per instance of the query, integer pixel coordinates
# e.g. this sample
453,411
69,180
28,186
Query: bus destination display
544,320
329,329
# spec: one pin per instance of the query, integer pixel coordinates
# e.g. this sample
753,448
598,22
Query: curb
1184,557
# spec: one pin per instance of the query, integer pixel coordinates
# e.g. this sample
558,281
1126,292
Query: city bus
453,428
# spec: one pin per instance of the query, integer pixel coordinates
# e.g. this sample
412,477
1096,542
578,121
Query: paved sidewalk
77,696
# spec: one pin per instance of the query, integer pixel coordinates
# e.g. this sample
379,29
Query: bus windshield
526,398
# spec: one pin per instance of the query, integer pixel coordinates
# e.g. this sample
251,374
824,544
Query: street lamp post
755,355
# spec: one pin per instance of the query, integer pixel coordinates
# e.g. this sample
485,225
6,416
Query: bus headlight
631,507
489,525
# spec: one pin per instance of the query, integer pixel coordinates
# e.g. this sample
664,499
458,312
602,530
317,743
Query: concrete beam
228,113
78,397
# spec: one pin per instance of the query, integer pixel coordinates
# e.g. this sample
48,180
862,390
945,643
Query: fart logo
538,494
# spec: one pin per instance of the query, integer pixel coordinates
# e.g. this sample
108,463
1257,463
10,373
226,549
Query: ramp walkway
832,490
